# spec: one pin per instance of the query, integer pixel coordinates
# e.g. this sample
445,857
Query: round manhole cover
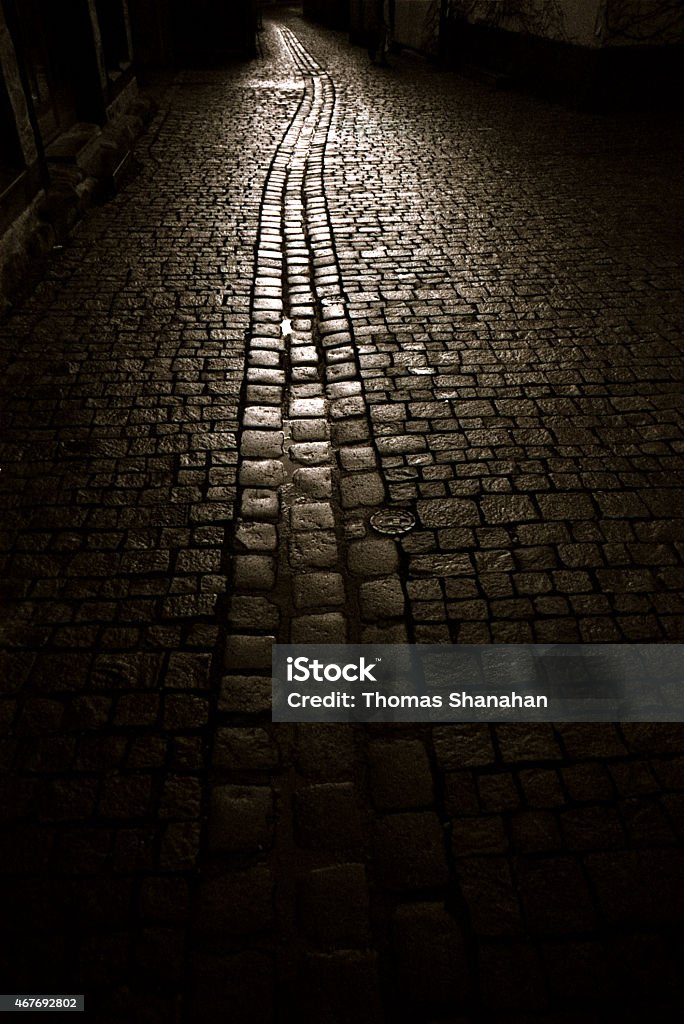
392,521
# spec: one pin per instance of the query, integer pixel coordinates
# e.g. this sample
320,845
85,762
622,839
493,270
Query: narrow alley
329,290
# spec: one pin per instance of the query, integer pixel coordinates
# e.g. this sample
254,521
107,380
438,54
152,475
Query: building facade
590,51
70,107
69,111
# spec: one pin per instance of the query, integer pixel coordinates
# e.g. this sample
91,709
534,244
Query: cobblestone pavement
333,288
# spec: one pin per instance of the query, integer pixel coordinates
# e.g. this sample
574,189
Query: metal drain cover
392,521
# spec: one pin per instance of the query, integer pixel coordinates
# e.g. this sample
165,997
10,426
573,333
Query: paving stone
254,572
362,489
409,851
245,695
245,749
306,430
262,357
432,962
179,849
312,516
264,394
334,906
256,536
592,828
400,775
381,599
343,389
240,818
260,504
527,742
261,443
514,982
536,832
164,899
301,355
460,746
324,751
447,512
550,907
341,371
349,431
310,549
488,887
631,884
312,453
498,792
327,819
262,417
511,508
237,903
181,799
343,408
318,589
265,375
385,634
400,444
248,652
252,612
261,473
329,628
308,408
372,557
313,482
357,457
482,835
566,506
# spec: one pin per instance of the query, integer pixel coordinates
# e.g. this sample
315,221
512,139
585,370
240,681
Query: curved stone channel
308,474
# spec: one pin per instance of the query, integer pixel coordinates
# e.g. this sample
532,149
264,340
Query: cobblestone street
332,288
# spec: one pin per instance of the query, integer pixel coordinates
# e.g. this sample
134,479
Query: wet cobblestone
332,289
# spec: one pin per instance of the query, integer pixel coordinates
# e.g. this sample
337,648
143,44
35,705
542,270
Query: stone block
327,818
245,749
334,907
235,902
463,746
313,482
490,895
373,557
324,751
328,628
554,895
313,549
240,818
442,512
432,966
253,613
382,599
400,774
248,652
245,695
362,489
312,515
409,851
318,589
